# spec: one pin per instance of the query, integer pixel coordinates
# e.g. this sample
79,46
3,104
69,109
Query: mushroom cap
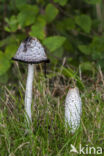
73,108
31,51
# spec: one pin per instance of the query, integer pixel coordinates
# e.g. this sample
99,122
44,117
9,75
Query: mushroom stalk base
28,93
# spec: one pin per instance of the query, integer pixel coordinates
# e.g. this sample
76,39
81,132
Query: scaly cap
31,51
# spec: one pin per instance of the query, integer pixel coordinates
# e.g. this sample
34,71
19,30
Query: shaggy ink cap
31,51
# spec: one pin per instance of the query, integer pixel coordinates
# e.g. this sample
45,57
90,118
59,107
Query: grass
48,135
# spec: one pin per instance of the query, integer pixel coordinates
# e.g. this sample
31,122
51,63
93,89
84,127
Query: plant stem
28,93
99,16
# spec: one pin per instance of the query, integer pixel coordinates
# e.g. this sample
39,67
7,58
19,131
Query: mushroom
73,109
31,52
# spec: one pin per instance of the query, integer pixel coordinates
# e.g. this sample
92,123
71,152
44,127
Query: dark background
69,29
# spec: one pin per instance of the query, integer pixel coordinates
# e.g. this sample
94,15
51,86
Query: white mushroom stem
28,93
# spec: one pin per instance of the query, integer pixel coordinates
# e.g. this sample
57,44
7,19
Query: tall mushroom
73,109
31,52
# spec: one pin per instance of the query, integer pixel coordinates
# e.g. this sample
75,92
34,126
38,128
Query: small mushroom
31,52
73,109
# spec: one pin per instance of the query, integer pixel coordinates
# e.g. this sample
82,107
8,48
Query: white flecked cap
73,109
31,51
